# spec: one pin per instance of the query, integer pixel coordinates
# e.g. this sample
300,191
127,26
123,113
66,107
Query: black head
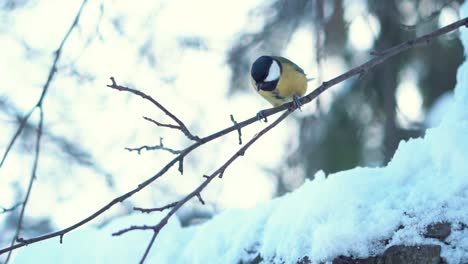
260,68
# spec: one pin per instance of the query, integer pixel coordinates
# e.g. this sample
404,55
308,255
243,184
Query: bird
278,80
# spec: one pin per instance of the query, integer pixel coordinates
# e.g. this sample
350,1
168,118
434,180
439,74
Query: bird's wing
294,65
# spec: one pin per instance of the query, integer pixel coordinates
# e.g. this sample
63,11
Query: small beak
259,86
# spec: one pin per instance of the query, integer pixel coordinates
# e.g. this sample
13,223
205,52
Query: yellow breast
291,83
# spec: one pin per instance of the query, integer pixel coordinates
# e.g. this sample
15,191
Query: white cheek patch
273,73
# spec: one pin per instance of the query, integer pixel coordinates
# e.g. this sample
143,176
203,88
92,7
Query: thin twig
131,228
156,147
353,72
200,199
23,122
238,130
159,209
161,124
9,209
181,125
31,181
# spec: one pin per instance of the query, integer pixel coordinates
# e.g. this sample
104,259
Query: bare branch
202,186
23,122
221,174
161,124
156,147
181,125
9,209
238,129
304,100
200,198
159,209
31,181
181,165
131,228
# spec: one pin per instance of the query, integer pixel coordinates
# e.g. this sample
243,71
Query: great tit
278,80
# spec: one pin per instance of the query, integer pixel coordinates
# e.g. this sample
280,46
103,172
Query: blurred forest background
359,123
364,124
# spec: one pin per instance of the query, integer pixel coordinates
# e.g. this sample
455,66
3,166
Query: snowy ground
347,213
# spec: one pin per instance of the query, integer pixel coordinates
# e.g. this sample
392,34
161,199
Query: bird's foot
261,116
297,102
